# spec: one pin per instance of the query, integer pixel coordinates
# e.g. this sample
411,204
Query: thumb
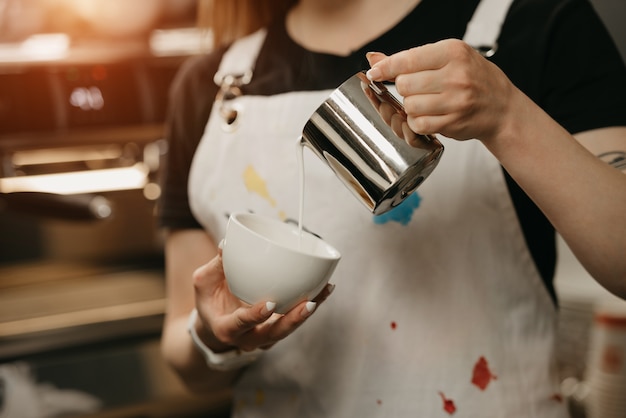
209,276
381,67
374,57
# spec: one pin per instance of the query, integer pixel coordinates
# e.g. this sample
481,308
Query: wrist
509,137
224,358
205,335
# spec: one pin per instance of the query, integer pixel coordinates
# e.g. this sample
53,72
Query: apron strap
484,28
239,59
482,33
235,71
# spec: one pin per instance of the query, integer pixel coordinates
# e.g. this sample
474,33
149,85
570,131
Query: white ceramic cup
268,260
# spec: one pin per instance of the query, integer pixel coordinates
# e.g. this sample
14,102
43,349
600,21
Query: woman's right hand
226,323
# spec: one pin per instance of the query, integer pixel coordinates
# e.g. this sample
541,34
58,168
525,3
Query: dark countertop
95,329
51,305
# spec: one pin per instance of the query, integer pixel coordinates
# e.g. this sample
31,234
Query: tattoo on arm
615,159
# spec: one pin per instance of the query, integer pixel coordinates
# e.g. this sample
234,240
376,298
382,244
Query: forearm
184,358
449,89
583,197
186,250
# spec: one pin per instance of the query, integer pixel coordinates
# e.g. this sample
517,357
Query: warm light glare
44,47
65,155
180,41
92,181
152,191
118,17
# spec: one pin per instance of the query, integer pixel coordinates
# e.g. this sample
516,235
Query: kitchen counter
50,305
125,378
91,330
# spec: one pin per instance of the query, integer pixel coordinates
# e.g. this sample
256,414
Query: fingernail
331,288
373,74
221,245
310,308
372,54
269,307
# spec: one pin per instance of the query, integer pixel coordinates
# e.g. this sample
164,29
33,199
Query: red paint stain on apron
557,397
448,404
482,376
393,325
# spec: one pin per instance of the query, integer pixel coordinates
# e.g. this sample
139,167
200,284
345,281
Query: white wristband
228,360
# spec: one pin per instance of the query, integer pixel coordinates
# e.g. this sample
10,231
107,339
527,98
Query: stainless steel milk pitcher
361,132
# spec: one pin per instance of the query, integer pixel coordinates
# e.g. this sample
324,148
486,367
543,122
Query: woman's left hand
448,88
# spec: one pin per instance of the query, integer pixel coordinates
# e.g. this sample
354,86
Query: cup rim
330,254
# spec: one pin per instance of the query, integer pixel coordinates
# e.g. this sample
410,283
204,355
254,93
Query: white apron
438,309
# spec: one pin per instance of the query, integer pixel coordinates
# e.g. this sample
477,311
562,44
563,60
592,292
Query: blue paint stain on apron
403,213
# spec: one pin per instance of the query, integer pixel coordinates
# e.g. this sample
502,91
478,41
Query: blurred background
83,95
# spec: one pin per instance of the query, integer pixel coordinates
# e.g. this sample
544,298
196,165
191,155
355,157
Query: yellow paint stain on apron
255,184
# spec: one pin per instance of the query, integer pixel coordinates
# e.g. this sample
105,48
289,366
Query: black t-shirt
556,51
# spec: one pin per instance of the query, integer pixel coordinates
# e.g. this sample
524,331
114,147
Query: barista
444,305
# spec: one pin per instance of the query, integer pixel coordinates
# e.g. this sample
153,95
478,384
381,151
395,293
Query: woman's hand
448,88
227,323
